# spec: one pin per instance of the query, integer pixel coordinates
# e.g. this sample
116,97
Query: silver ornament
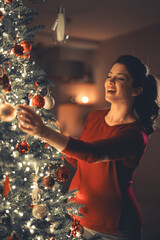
49,102
7,112
39,211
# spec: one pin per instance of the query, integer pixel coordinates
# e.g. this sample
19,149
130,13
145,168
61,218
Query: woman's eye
108,76
122,79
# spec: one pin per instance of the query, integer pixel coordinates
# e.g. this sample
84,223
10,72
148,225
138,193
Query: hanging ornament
36,192
49,101
6,186
76,229
37,101
1,15
39,212
5,83
62,174
13,237
9,1
27,46
18,50
59,27
7,112
48,181
22,147
53,238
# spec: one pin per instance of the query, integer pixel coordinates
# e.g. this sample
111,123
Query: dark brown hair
145,104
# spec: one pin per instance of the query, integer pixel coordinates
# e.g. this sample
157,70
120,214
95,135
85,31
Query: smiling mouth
111,91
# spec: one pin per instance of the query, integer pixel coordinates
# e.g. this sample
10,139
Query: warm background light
83,93
85,99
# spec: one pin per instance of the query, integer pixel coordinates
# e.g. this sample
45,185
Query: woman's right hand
30,121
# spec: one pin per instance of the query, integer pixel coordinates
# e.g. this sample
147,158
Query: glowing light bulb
28,224
13,127
85,99
20,164
31,231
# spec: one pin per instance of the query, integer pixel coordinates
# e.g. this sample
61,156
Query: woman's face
119,85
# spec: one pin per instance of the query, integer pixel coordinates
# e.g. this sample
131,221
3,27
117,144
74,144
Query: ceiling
92,21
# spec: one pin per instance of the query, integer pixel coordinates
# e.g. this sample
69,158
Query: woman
110,148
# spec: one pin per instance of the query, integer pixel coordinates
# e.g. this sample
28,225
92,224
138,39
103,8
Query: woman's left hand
30,121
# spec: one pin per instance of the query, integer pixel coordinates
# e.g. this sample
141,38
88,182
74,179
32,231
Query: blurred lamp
85,99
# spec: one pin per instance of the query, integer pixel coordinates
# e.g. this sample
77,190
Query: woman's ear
137,91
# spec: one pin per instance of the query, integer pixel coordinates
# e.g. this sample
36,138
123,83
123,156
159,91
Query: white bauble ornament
7,112
39,211
49,102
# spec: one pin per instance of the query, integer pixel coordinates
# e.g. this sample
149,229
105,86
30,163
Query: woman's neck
120,114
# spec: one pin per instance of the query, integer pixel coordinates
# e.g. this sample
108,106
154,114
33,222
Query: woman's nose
112,80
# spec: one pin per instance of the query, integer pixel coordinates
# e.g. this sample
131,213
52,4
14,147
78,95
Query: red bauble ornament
18,50
6,186
62,174
23,147
48,182
1,15
9,1
5,83
13,237
76,229
9,88
38,101
7,112
27,46
6,80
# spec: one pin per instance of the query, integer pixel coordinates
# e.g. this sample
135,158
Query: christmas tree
33,204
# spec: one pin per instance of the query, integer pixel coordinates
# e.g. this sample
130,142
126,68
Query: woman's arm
31,123
127,144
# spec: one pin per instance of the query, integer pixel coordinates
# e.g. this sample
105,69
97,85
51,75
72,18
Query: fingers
30,121
24,119
25,129
24,115
27,109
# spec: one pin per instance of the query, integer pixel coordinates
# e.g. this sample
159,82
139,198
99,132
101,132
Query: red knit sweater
105,186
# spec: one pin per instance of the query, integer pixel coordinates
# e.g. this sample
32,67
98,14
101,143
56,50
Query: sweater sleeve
72,161
125,145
